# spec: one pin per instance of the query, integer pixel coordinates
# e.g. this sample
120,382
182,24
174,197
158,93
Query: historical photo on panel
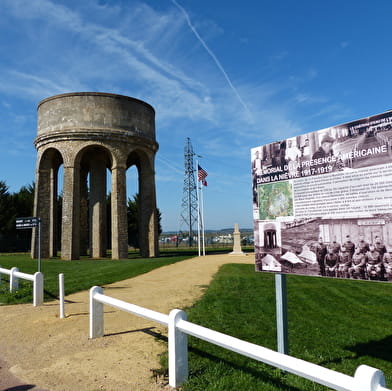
356,248
268,244
275,200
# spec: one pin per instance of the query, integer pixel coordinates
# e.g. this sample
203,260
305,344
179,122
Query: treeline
13,205
20,204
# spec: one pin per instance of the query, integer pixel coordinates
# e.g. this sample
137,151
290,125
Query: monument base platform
237,253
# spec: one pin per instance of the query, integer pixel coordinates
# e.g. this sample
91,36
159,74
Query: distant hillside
230,230
215,231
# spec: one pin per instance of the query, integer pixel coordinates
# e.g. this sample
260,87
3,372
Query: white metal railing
365,379
61,296
97,299
37,279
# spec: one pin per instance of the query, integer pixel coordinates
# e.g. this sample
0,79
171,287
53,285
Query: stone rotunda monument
91,134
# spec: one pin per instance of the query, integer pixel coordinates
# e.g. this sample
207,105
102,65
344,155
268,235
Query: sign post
281,313
28,223
39,245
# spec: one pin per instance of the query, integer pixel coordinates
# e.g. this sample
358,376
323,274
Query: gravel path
42,352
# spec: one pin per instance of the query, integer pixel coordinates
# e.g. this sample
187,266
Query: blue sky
231,75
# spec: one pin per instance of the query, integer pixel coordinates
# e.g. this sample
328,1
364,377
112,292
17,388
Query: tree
24,201
23,204
159,219
133,221
15,205
6,210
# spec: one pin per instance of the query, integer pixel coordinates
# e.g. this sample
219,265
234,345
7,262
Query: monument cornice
104,134
98,95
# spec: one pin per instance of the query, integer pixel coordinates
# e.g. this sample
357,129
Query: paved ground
42,352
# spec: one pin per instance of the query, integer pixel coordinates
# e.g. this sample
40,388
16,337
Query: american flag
201,175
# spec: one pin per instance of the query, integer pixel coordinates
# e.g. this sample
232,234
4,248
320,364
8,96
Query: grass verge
338,324
78,275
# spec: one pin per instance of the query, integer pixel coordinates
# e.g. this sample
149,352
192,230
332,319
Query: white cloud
214,57
169,165
143,55
36,87
336,114
116,45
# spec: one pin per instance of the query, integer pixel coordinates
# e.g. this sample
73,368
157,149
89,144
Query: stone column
42,209
237,242
148,227
98,208
53,213
84,224
119,214
70,238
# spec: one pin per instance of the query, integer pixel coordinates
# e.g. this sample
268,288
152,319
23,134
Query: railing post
38,289
61,295
96,314
14,281
178,350
368,379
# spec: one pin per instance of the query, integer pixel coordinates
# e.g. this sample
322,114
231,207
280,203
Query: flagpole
202,220
201,177
198,209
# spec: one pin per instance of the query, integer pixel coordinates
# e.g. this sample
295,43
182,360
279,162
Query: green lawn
85,273
338,324
78,275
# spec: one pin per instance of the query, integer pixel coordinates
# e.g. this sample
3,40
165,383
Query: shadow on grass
251,371
381,349
25,387
48,294
337,360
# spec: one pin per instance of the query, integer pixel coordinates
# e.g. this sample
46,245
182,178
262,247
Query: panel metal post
281,313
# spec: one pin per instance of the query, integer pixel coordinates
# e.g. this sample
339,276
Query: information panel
322,202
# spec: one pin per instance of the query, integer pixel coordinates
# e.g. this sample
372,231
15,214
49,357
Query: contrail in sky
210,52
170,165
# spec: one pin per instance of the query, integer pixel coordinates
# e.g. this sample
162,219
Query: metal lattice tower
189,210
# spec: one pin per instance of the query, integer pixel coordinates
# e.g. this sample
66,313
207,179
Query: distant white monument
237,242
